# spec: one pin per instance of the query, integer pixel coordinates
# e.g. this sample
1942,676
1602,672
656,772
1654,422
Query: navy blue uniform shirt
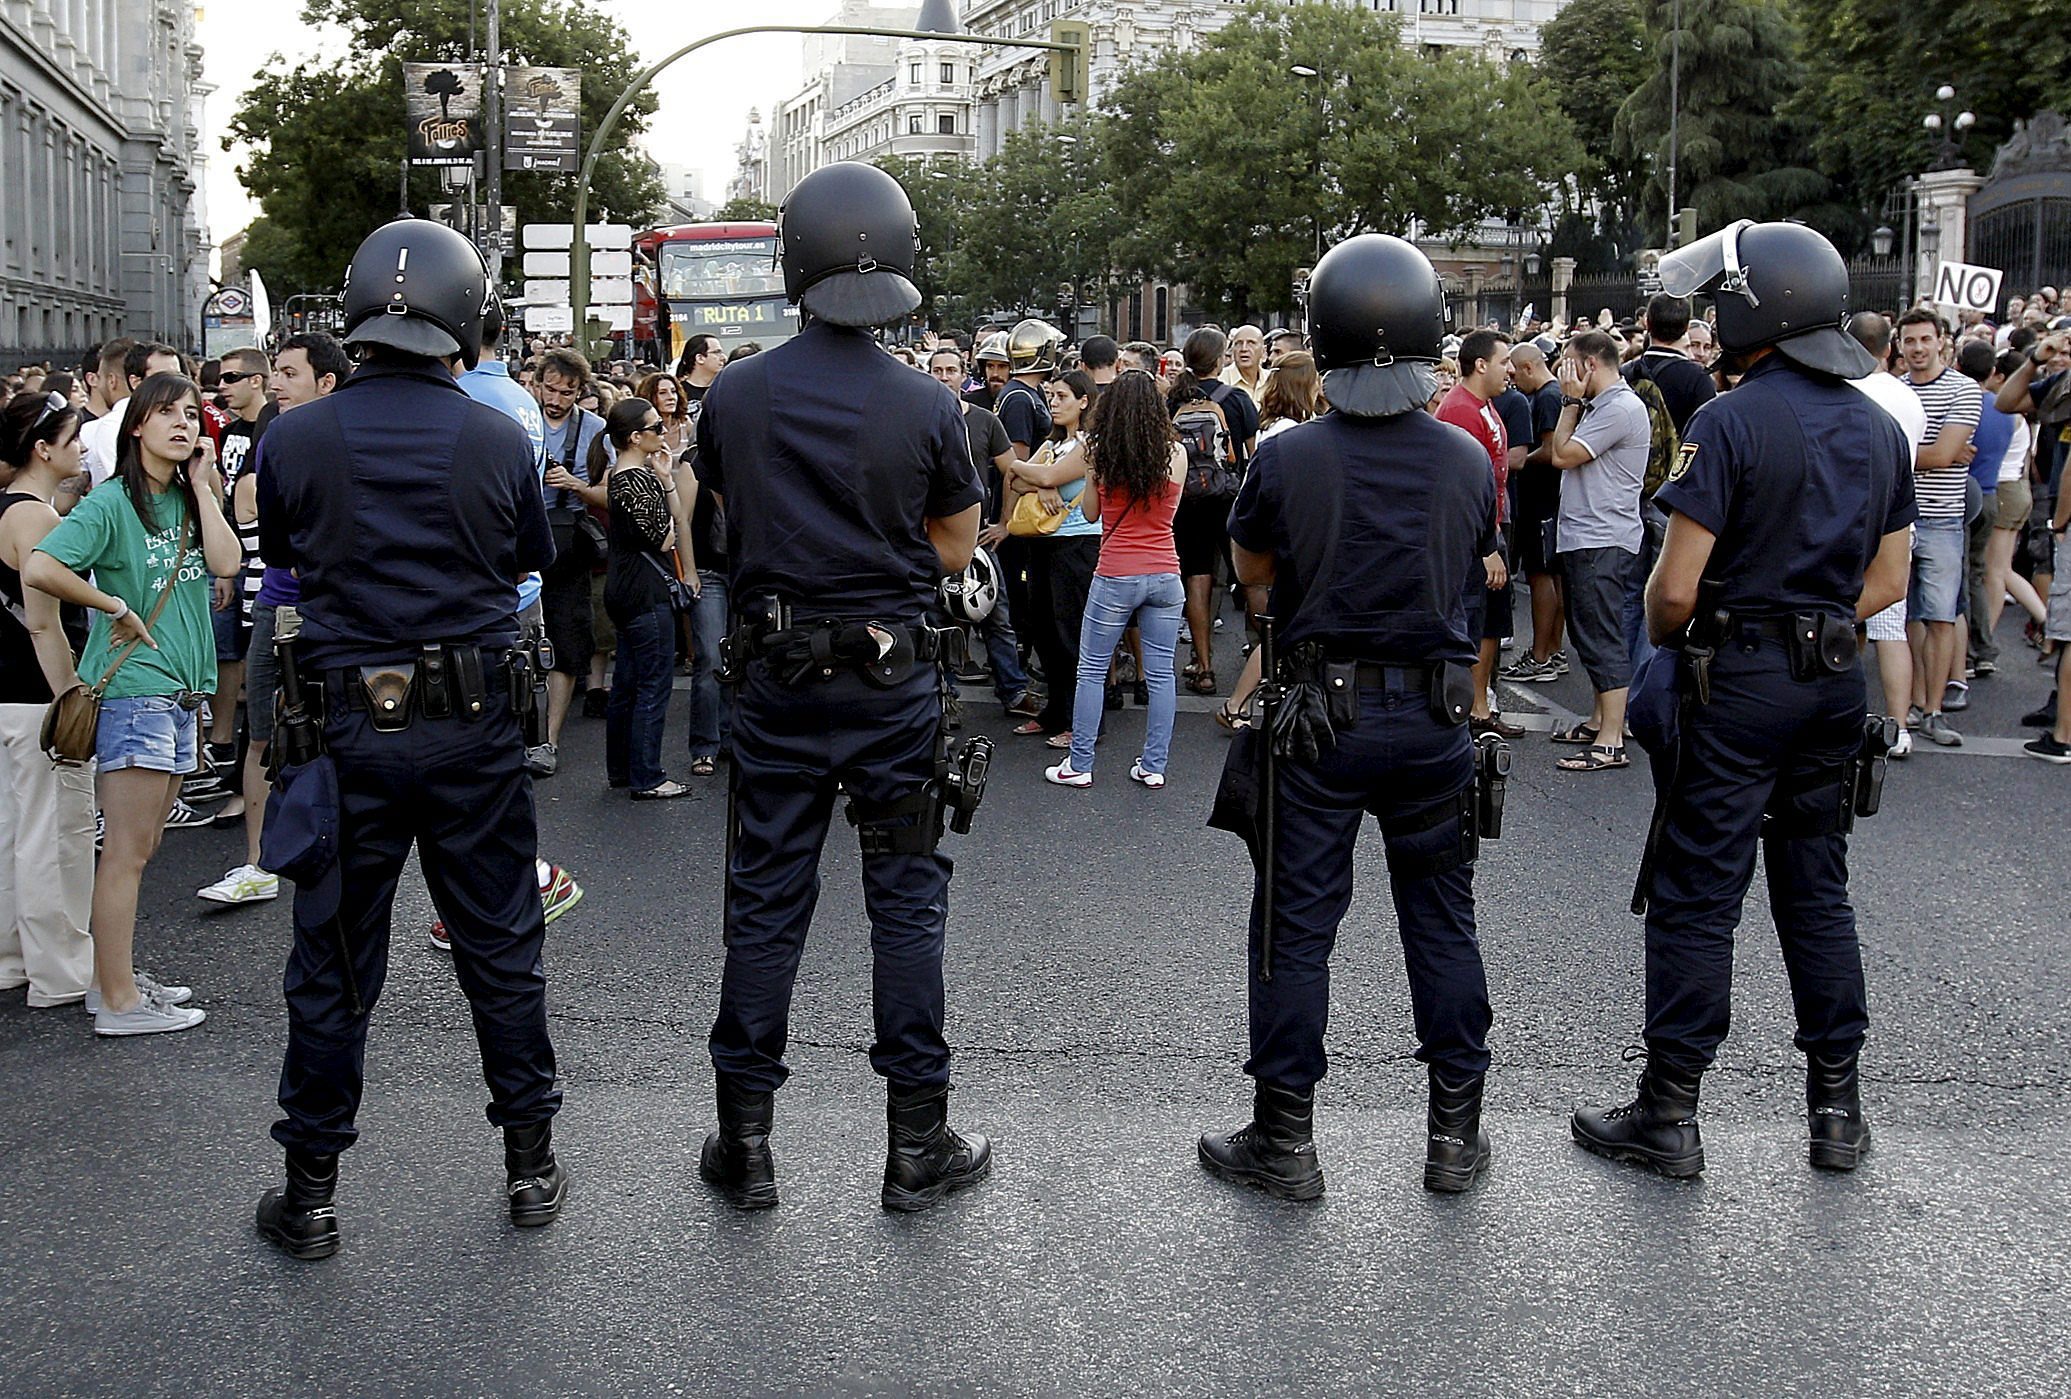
831,456
409,510
1800,476
1376,524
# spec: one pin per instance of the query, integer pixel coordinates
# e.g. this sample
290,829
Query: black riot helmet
1780,284
1376,325
419,287
849,240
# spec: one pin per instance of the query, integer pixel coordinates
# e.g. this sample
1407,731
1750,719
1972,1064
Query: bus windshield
743,267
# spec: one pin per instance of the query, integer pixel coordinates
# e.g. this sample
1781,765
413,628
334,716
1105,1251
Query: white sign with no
1967,288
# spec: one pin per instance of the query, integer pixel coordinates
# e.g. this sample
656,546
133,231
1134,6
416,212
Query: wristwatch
1567,402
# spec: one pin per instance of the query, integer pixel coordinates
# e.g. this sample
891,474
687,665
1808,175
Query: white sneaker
1904,747
247,884
149,987
150,1016
1139,773
1064,776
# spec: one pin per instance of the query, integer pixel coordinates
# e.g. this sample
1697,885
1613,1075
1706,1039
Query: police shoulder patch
1682,461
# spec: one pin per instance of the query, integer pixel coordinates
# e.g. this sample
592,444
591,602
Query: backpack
1205,433
1664,443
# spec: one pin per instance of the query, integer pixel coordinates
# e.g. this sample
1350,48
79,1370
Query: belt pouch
386,690
434,699
1837,644
1452,692
1341,693
470,692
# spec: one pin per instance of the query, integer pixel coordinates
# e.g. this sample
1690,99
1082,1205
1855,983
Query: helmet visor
1711,265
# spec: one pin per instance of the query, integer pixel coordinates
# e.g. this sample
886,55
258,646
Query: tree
1592,56
1738,64
1873,67
326,139
1231,171
746,211
1037,215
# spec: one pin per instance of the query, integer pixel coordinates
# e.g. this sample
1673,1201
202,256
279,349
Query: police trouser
792,746
459,791
1401,765
1762,761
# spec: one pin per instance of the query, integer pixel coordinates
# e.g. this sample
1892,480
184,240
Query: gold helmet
1032,347
993,348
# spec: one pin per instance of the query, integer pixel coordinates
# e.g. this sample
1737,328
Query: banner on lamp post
443,102
542,119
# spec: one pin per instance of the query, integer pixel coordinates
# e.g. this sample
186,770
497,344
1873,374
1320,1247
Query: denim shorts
261,674
151,732
1939,546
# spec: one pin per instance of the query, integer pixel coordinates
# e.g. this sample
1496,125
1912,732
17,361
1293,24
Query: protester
46,808
1134,470
1469,406
571,432
1061,562
1954,404
650,516
1201,527
665,392
153,537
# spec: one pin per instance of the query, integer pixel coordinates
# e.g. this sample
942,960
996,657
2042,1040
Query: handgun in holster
298,735
1880,732
1491,779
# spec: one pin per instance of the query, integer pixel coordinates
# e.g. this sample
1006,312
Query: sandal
1581,734
668,791
1202,682
703,767
1596,758
1029,729
1059,741
1232,716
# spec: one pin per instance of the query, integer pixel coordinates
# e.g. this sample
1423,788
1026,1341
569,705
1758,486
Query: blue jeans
1152,602
1003,653
1653,532
640,685
711,710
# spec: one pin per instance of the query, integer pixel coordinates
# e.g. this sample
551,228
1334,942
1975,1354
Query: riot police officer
410,512
849,491
1369,524
1788,514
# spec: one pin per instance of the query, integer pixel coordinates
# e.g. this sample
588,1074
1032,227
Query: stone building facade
102,226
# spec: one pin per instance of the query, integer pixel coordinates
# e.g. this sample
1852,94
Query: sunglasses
238,376
53,404
655,426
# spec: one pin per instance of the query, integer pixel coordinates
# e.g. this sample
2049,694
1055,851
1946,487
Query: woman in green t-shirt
157,524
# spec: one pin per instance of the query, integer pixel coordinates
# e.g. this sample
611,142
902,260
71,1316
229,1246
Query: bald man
1247,366
1537,487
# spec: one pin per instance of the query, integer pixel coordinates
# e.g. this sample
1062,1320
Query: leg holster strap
1408,859
891,830
1820,803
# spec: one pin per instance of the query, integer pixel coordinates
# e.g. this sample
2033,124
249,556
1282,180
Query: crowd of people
131,499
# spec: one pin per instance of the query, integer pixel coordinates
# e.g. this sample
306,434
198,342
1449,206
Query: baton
1267,696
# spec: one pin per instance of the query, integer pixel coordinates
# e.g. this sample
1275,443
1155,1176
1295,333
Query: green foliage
1592,56
327,138
1873,67
746,211
1740,157
1230,171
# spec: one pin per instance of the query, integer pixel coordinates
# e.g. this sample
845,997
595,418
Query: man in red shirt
1484,373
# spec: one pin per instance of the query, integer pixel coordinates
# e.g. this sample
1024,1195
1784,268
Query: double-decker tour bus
711,278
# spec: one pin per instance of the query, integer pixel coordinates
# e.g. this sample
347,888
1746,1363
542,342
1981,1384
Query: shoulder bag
71,726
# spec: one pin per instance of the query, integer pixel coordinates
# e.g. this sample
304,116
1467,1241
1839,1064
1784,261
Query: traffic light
1068,70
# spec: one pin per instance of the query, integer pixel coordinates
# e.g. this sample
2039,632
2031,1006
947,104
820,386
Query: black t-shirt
235,450
989,439
831,457
707,520
1515,409
1800,476
1685,384
1546,408
1377,525
1023,413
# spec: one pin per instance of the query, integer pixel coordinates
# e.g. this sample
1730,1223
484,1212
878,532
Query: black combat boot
737,1158
298,1217
1833,1109
1276,1153
536,1182
926,1159
1456,1150
1657,1129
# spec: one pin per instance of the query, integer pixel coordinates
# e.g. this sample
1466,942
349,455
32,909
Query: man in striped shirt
1953,403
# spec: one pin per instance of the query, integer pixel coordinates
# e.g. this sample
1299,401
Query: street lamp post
1949,124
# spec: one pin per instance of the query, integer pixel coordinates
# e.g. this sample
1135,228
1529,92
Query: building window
913,74
949,75
945,124
1161,318
914,126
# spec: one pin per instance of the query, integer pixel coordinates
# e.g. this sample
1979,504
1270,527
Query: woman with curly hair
665,392
1135,470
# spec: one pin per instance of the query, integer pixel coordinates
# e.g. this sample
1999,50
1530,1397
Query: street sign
613,317
552,237
546,293
611,292
542,119
1967,288
551,320
556,264
546,265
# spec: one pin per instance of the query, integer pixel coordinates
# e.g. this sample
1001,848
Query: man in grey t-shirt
1600,446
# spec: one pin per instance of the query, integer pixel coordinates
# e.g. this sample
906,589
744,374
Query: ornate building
102,230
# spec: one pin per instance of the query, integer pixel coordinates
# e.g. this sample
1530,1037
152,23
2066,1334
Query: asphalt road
1095,969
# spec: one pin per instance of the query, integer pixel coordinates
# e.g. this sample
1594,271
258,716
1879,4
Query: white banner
1966,287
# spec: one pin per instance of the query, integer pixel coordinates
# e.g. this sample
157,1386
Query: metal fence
1617,292
1877,284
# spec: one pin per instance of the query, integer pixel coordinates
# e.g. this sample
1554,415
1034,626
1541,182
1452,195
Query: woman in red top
1135,471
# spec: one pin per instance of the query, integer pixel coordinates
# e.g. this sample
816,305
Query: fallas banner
444,105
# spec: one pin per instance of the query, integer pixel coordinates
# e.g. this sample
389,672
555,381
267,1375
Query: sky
704,99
